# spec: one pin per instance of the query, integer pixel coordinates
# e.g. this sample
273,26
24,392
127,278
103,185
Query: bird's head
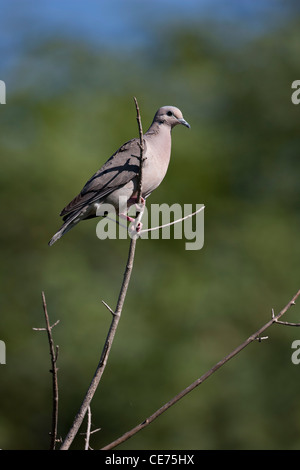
171,116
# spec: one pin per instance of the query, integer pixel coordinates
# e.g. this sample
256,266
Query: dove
117,180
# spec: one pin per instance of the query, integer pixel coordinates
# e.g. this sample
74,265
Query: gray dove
117,180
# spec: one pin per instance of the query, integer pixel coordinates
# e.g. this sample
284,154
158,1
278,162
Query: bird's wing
121,168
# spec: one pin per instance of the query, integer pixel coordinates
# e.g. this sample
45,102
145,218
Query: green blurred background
71,70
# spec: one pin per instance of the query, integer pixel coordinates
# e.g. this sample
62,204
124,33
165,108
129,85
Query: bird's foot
138,205
135,224
127,217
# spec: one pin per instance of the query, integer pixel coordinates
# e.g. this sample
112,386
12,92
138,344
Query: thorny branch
255,336
53,370
116,315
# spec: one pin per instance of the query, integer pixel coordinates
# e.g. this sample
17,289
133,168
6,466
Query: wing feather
121,168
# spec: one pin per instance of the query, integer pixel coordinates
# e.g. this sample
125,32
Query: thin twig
54,369
112,330
142,146
151,229
45,329
108,307
199,381
286,323
88,429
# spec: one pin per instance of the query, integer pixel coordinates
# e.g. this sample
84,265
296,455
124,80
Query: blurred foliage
70,110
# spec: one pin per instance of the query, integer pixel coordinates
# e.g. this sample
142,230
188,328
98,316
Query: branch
116,315
172,223
88,430
160,411
286,323
54,369
142,147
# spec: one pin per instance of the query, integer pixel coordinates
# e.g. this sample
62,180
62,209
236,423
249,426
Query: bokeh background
71,70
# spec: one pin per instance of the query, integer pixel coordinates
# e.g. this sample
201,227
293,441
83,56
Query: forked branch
53,370
255,336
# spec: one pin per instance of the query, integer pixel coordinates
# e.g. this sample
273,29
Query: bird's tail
68,225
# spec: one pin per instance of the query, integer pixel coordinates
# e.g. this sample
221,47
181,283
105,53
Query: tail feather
68,225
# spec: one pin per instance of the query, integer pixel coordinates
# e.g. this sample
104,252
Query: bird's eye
169,113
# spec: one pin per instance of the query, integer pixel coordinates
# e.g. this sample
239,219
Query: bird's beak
184,122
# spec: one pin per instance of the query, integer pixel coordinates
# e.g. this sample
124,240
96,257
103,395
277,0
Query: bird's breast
155,169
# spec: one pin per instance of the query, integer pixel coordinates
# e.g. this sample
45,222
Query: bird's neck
158,128
159,136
